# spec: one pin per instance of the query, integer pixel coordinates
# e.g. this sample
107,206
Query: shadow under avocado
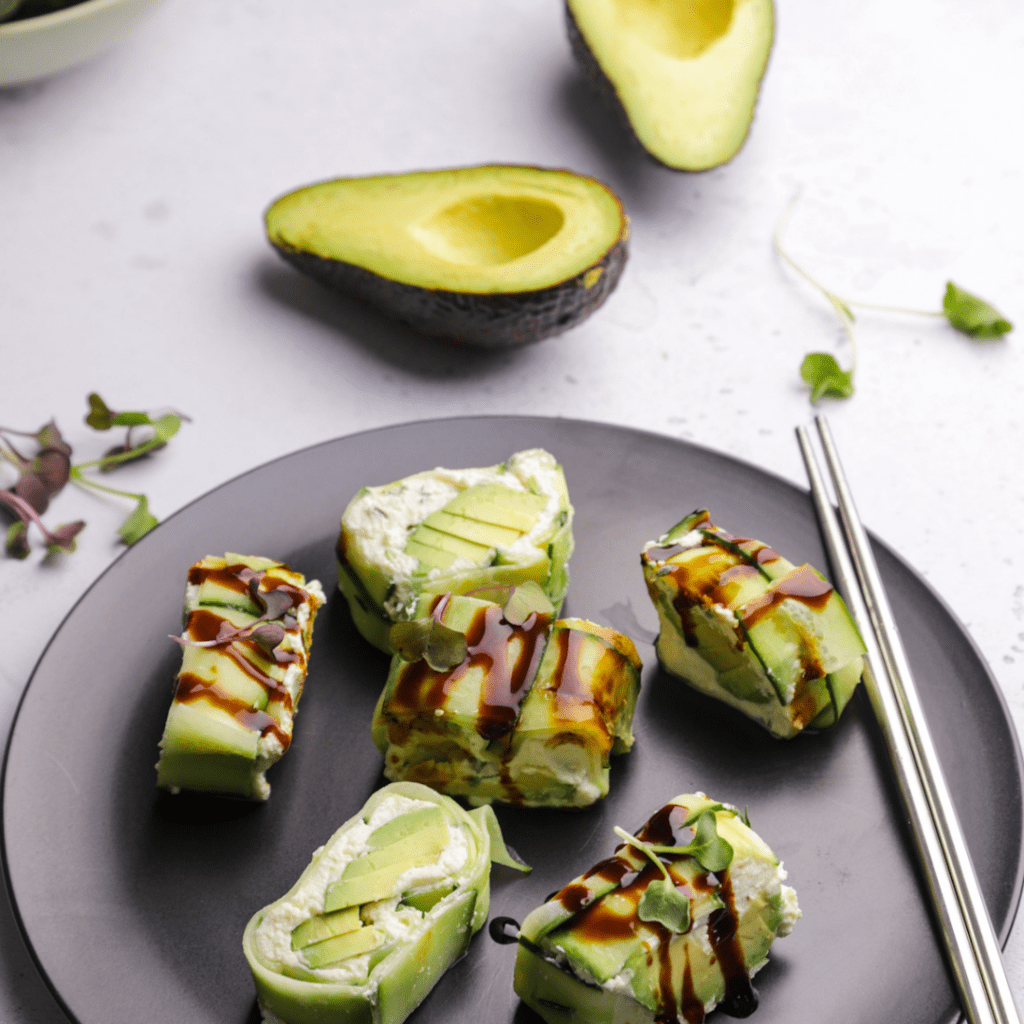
387,339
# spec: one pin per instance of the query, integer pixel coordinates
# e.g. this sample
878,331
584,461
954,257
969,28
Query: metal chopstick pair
971,944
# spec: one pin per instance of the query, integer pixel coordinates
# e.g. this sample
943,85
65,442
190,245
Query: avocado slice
234,702
530,716
603,949
489,256
743,624
453,531
375,961
683,76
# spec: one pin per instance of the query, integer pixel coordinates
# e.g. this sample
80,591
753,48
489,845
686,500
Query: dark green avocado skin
482,320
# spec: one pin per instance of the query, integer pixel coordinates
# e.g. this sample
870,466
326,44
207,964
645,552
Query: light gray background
132,262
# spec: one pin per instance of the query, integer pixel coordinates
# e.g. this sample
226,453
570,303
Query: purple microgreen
47,472
525,600
139,523
442,647
973,316
63,538
17,540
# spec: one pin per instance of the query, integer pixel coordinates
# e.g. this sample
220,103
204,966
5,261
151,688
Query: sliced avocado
488,256
404,825
341,947
684,76
325,926
427,900
419,847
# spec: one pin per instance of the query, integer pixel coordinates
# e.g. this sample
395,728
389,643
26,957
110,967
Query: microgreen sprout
962,310
45,474
661,901
268,630
440,646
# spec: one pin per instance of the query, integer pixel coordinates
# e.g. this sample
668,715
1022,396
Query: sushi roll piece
453,531
676,922
528,711
744,625
245,651
386,906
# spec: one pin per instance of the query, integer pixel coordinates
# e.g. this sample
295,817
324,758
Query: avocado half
490,256
684,75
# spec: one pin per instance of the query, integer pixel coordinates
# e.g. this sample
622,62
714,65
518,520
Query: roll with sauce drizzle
529,712
676,922
245,651
744,625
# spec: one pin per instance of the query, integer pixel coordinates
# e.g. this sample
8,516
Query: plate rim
1017,892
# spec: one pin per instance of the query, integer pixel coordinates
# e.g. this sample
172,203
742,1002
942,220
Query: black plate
133,904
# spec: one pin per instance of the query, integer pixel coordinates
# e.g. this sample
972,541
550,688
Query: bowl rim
40,22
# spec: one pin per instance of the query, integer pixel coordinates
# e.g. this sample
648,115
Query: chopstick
970,941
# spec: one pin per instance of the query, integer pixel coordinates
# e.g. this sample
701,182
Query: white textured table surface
132,262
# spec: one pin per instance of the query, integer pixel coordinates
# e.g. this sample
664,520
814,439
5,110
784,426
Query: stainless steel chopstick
969,939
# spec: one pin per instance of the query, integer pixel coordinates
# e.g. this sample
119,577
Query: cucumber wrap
386,906
454,530
245,652
744,625
611,948
531,715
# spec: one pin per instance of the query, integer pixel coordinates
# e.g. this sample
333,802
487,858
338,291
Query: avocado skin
484,320
601,85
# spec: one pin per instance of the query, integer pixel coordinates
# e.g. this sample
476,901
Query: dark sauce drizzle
205,624
595,922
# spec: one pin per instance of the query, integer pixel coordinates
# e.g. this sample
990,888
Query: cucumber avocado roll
453,530
522,708
245,650
741,623
673,924
386,906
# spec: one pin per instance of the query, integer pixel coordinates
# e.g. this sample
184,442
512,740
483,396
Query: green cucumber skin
402,980
484,320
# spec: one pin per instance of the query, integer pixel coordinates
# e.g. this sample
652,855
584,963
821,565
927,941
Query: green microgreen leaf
17,539
99,417
973,316
708,848
825,376
442,647
525,600
139,523
664,903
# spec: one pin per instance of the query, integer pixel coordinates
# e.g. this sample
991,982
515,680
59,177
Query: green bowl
50,43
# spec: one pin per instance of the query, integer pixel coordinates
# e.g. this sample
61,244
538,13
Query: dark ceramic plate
133,903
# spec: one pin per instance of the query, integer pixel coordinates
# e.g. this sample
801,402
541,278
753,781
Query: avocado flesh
490,255
594,958
370,964
531,716
743,625
512,522
685,76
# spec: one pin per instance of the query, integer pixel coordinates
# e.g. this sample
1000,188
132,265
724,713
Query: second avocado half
489,256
